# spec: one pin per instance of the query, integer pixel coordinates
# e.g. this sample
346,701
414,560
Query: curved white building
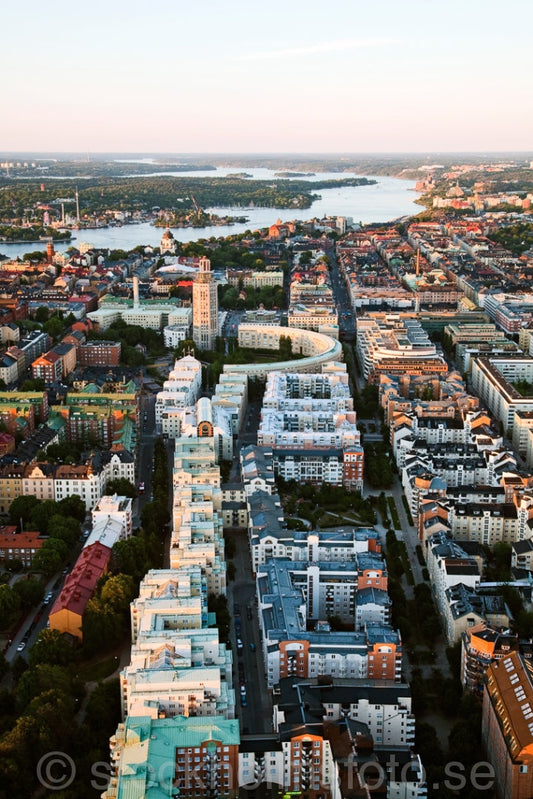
317,349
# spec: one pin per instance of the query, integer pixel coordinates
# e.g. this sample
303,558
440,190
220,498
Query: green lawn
98,670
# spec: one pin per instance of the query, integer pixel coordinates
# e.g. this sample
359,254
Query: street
256,715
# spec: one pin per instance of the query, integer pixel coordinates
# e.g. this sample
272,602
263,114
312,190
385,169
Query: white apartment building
201,420
181,390
492,380
308,423
448,565
116,509
382,336
178,666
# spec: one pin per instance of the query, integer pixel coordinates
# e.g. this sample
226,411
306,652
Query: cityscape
266,401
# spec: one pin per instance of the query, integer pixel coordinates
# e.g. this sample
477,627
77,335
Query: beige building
507,726
204,307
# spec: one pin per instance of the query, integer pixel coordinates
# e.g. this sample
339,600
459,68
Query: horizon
261,154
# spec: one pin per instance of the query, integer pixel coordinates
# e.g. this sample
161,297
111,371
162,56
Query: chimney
135,292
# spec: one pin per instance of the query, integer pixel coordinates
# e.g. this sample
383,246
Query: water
384,201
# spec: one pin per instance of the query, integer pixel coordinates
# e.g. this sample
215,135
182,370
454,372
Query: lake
388,199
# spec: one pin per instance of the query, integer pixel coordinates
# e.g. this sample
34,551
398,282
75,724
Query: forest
97,195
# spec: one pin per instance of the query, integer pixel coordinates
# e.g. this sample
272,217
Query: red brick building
99,353
19,546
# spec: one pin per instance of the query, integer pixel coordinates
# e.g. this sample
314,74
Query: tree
22,507
36,384
122,487
30,592
39,678
48,561
73,506
41,314
54,327
9,606
51,647
118,592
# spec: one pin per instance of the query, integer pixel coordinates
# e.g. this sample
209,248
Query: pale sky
292,76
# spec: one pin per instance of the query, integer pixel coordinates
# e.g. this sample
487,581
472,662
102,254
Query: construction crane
196,206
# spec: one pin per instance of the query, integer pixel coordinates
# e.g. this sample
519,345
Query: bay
388,199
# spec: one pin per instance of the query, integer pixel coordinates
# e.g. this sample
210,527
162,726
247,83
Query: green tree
73,506
22,507
47,561
30,592
117,593
40,678
9,606
54,327
122,487
41,314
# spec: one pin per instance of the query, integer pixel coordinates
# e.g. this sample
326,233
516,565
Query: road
147,441
256,716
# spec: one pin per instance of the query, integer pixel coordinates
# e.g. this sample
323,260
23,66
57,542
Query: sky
303,76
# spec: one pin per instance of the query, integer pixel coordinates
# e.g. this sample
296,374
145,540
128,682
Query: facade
204,307
492,380
21,546
507,725
99,353
47,367
116,509
482,645
180,390
395,344
67,611
316,348
308,424
204,753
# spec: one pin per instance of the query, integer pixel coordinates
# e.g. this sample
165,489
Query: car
48,598
243,701
252,647
141,488
239,643
243,690
21,647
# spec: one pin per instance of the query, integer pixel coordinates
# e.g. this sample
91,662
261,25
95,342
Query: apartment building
308,423
197,532
493,380
180,390
21,546
99,353
289,648
116,509
66,615
395,344
200,755
507,725
482,645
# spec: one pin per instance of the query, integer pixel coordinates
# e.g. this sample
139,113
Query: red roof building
68,609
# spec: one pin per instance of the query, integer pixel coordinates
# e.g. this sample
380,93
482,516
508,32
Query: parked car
252,647
21,647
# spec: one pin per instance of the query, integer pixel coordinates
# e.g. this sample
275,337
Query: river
388,199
